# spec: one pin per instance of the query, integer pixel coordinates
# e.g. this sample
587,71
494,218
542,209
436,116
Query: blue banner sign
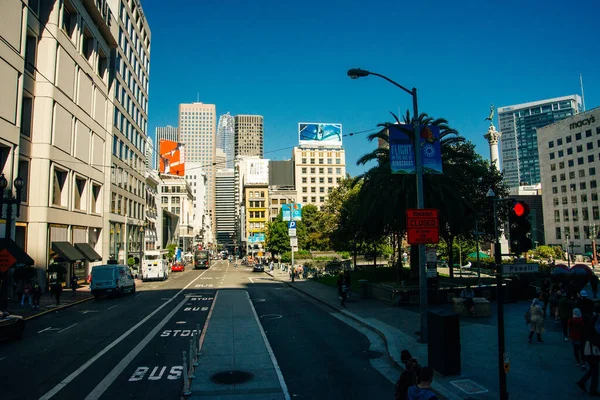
402,159
286,211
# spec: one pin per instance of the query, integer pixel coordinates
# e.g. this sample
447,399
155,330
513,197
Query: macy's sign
587,121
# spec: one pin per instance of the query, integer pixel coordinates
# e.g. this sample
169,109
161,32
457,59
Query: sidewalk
546,370
48,302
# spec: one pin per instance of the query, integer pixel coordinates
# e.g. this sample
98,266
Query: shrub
345,255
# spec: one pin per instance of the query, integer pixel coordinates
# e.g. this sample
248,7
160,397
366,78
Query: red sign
6,260
423,226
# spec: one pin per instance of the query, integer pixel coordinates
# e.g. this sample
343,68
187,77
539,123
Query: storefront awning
88,251
17,252
66,251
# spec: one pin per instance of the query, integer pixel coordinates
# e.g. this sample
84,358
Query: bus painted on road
201,259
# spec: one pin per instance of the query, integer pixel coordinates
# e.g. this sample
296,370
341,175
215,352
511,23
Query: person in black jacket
585,304
589,340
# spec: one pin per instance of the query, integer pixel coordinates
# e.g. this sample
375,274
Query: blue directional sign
291,224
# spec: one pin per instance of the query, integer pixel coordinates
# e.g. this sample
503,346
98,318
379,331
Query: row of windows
584,199
256,193
125,75
138,70
257,225
579,149
576,233
571,163
573,186
574,214
321,179
559,142
127,181
256,204
75,192
321,161
127,129
322,154
137,43
256,214
313,189
313,199
122,206
313,170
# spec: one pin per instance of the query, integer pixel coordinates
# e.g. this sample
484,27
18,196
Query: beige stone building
177,198
249,135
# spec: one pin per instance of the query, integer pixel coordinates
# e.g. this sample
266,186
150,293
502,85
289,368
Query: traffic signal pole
500,305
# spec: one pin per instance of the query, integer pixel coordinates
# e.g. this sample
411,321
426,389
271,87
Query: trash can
443,339
364,288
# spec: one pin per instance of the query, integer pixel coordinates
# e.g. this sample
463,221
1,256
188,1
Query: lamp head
356,73
490,193
19,183
3,182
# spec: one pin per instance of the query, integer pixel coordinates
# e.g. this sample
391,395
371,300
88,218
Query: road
131,347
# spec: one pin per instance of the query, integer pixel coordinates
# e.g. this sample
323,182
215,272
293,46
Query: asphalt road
131,347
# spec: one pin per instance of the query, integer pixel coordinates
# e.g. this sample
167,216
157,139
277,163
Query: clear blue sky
288,60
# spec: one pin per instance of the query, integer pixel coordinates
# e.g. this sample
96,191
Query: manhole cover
231,377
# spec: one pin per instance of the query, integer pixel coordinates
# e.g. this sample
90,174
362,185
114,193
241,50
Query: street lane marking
87,311
205,327
110,308
49,329
286,393
138,295
68,327
3,358
114,374
251,279
92,360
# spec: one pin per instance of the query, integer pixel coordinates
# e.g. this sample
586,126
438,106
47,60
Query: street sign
422,226
7,260
293,241
291,224
295,248
431,255
292,232
520,268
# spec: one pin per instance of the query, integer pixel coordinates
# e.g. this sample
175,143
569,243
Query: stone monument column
492,136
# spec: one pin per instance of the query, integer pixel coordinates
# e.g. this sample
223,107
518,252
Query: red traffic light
519,209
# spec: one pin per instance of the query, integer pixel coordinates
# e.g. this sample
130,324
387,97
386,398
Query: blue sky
288,60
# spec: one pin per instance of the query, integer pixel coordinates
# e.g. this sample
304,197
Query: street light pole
568,255
500,299
356,73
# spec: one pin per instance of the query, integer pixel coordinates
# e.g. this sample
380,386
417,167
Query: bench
482,307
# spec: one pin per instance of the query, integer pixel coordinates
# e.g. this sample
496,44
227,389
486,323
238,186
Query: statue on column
491,116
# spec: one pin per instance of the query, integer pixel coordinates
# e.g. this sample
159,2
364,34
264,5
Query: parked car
177,267
111,279
11,326
258,268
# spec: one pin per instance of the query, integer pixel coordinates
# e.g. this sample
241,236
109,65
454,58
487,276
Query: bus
201,259
155,265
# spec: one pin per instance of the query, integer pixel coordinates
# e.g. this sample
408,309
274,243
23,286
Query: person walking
342,289
411,364
591,354
575,328
537,320
347,281
565,312
37,295
422,391
74,286
57,290
26,294
585,304
545,297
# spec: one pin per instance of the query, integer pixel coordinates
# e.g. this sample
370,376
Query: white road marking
110,308
286,393
68,327
251,279
138,295
3,358
92,360
114,374
49,329
87,311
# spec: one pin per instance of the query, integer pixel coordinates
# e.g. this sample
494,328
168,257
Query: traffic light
519,227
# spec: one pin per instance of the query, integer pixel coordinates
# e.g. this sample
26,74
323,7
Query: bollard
198,341
186,382
191,369
195,349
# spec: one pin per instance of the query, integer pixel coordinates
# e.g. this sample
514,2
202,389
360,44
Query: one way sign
292,224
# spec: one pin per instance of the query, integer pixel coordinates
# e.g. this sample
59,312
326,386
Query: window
555,201
589,146
322,199
569,151
312,160
26,115
576,234
557,233
59,189
588,133
96,206
87,44
571,164
305,199
551,144
585,214
102,64
580,161
581,173
595,213
573,199
304,161
30,53
591,158
24,174
313,180
303,170
563,177
113,203
592,171
556,216
578,136
313,199
594,196
566,215
69,19
584,198
321,189
564,200
321,170
561,153
569,140
579,148
559,142
79,192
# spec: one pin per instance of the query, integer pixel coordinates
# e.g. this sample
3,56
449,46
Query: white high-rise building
317,171
225,206
197,131
226,138
150,154
201,222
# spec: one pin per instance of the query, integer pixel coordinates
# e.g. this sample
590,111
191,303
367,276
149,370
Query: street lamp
356,73
9,200
499,298
568,254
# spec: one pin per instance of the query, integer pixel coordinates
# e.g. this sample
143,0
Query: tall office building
225,138
317,171
197,180
197,131
518,123
249,135
55,129
167,133
150,154
225,206
130,97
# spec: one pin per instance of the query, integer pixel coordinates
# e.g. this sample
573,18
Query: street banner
402,159
286,211
431,152
291,212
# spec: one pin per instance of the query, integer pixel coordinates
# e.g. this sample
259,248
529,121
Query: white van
155,265
111,279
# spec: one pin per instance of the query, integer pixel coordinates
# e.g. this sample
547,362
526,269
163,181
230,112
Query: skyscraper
167,133
225,138
518,123
225,206
249,135
197,131
150,154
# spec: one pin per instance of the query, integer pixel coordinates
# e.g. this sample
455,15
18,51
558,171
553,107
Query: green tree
277,238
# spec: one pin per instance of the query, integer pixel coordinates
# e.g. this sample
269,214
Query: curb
58,308
437,387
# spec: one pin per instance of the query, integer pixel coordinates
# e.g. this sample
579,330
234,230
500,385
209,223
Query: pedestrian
537,320
405,381
565,312
347,281
575,329
411,364
57,290
545,295
26,294
343,290
591,354
594,284
467,295
37,294
422,390
553,301
585,304
74,285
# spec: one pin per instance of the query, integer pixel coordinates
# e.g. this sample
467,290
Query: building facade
278,196
149,161
130,123
256,200
518,140
570,163
167,133
225,206
317,171
197,181
249,135
226,138
177,198
153,221
197,131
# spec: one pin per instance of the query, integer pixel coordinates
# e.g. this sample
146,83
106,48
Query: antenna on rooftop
582,94
198,97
